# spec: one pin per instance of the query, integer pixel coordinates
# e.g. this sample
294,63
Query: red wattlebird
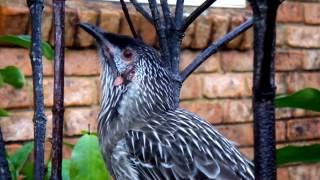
141,132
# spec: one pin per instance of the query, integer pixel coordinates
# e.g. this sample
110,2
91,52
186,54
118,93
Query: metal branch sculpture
58,107
39,118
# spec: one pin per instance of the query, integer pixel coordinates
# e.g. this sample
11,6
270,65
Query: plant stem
58,107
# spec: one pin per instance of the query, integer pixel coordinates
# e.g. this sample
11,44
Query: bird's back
178,145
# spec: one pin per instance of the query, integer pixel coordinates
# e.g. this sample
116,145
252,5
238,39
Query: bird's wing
178,145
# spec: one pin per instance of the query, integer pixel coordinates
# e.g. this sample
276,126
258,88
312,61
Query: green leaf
1,81
298,154
13,76
4,113
65,169
69,145
27,171
25,41
86,160
308,98
19,158
12,170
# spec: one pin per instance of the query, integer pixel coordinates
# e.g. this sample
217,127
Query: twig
4,166
214,48
126,14
195,14
179,13
160,29
58,107
140,9
166,13
39,118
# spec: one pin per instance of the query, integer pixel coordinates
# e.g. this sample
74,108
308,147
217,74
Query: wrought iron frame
170,30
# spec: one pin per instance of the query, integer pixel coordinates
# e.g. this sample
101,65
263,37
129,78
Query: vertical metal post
39,118
58,107
264,16
4,167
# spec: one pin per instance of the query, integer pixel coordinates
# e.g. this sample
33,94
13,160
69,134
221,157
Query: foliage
298,154
13,76
308,99
25,41
86,161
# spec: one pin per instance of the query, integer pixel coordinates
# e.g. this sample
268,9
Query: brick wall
219,91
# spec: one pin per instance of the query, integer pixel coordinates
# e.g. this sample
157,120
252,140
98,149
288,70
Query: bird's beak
107,49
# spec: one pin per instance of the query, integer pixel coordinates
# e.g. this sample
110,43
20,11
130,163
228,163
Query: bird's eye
127,53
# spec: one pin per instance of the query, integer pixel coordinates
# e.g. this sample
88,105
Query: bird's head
132,64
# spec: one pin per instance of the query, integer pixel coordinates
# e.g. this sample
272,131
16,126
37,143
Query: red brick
79,119
303,36
136,21
13,17
209,111
312,13
235,111
281,131
235,21
147,32
283,173
290,12
191,88
311,60
283,113
78,91
188,36
289,60
307,172
20,58
84,62
225,85
281,83
248,152
212,64
19,126
202,32
237,61
220,25
15,98
247,42
280,36
302,129
12,148
240,134
110,20
297,81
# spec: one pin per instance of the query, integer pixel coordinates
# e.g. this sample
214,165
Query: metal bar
39,118
126,14
196,13
264,89
142,11
58,90
166,14
179,13
213,48
4,166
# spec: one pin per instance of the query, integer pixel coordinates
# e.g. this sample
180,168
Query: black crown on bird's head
123,53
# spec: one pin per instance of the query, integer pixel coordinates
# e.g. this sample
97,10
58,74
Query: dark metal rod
195,14
58,90
126,14
39,118
142,11
179,13
166,14
213,48
4,166
264,89
161,32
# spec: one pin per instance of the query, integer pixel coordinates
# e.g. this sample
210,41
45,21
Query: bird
142,134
